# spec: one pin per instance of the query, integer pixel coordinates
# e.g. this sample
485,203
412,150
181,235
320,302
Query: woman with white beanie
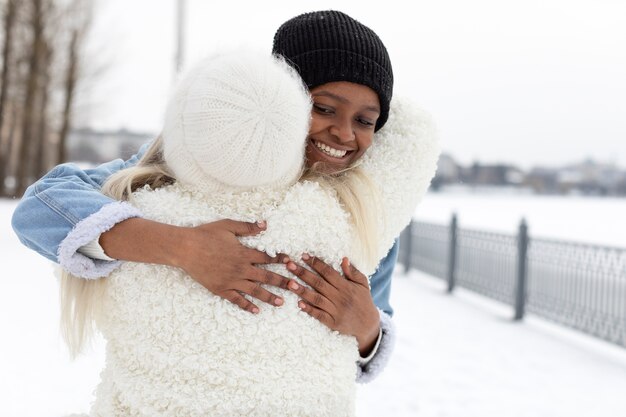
233,147
347,71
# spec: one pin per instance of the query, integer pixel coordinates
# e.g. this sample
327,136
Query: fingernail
306,256
261,223
286,259
278,301
291,266
293,285
255,310
301,305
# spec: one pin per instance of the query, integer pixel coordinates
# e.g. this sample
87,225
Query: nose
342,129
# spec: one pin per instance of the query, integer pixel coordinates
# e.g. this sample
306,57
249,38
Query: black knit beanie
327,46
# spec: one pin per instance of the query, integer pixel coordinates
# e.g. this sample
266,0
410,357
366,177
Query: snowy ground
458,356
462,356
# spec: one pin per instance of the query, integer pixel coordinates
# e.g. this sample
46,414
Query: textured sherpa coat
174,349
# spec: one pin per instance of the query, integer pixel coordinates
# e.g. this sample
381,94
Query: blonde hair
361,199
80,298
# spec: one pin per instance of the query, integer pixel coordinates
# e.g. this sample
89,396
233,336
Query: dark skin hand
213,255
210,253
343,304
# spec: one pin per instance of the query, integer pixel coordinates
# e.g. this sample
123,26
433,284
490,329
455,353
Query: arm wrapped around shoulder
401,163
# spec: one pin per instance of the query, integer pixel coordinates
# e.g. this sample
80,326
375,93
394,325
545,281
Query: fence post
522,271
452,258
408,247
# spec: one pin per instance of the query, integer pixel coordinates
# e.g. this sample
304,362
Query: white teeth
330,151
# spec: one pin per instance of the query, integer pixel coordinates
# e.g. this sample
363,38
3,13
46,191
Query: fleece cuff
368,372
86,231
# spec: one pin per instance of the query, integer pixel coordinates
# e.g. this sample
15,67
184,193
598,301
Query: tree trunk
24,164
9,24
42,140
70,87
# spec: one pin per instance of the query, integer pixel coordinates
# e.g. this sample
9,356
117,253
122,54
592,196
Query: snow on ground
457,356
463,356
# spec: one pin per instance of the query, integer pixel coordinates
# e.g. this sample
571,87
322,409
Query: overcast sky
527,82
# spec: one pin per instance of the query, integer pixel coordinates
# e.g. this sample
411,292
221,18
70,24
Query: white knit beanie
238,120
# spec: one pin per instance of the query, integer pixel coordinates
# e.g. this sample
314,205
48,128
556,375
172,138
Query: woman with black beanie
348,72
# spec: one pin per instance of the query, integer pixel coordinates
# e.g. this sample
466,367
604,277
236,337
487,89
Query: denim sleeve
52,207
380,282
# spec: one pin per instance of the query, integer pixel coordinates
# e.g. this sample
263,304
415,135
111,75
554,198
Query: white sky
527,82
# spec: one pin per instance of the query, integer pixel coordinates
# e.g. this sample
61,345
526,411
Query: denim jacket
65,210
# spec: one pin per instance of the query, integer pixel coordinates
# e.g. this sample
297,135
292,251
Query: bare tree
28,120
82,16
70,89
42,56
9,19
42,134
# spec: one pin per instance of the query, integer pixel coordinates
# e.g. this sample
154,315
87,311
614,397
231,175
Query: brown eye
322,109
365,122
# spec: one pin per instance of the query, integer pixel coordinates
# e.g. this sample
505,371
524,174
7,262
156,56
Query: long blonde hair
361,199
80,298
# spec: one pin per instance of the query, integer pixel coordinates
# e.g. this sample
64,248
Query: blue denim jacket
52,207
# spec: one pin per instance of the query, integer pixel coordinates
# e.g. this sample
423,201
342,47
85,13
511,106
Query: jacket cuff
86,231
369,371
93,250
364,361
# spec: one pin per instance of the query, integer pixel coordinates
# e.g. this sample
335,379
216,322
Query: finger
244,228
312,297
268,277
316,281
236,298
353,274
255,290
326,271
283,258
320,315
254,256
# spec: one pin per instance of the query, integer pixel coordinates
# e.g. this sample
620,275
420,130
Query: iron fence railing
580,286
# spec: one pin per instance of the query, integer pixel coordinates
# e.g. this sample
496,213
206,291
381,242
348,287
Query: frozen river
585,219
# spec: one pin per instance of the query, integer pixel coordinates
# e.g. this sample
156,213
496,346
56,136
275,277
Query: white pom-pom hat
237,120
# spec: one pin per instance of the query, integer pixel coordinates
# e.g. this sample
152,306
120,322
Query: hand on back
343,304
213,256
210,253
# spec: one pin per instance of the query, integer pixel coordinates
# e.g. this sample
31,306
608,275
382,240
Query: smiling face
343,119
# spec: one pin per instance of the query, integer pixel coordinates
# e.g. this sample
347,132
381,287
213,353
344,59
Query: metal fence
581,286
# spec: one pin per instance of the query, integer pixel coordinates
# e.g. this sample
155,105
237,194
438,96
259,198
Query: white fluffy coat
174,349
